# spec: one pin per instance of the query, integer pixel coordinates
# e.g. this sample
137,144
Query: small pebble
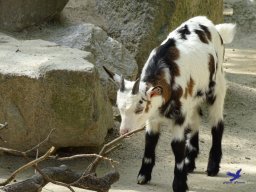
248,158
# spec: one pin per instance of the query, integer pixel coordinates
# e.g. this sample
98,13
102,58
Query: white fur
187,161
141,179
189,146
180,165
227,32
167,75
147,160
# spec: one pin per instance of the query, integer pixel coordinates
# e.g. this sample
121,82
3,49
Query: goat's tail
227,32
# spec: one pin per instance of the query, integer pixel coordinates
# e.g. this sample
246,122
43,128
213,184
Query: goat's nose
124,131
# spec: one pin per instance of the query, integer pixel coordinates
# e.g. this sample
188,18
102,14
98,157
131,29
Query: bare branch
92,167
112,149
41,143
64,175
30,164
12,151
47,178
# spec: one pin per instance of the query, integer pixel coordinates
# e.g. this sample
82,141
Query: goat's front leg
192,138
180,171
148,161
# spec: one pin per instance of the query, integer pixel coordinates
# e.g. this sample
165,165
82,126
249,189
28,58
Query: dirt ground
239,140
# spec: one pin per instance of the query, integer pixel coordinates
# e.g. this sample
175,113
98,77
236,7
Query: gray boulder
45,86
15,15
106,50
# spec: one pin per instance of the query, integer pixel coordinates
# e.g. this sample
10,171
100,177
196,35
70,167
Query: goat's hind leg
148,161
216,121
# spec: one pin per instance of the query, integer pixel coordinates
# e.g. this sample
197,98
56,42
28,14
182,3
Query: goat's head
136,102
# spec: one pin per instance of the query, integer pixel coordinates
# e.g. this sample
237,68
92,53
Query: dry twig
111,161
106,148
64,176
41,143
31,163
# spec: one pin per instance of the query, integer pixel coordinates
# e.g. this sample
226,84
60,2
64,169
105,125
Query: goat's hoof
212,168
180,184
143,179
191,167
178,187
212,173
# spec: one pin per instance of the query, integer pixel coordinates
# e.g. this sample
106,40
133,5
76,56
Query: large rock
45,86
15,15
107,51
142,25
88,37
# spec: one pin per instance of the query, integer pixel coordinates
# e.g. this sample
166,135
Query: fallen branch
30,164
106,148
86,156
41,143
64,175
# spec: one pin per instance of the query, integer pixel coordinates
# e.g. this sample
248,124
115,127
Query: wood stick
92,167
30,164
64,175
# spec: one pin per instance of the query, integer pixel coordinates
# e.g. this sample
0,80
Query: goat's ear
155,91
117,78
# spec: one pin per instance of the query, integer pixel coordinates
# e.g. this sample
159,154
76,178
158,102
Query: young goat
179,75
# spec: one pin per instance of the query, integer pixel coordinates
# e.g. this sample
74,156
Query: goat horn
136,87
122,84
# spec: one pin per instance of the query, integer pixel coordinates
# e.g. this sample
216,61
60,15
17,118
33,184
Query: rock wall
45,86
16,15
142,25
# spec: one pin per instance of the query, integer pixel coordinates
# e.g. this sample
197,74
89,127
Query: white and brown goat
179,75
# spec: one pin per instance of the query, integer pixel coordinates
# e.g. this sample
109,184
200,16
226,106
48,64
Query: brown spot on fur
189,88
201,36
177,93
166,87
207,32
211,65
175,70
173,53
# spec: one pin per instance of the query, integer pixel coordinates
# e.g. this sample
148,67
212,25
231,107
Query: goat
182,73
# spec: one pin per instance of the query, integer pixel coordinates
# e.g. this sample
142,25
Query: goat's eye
140,102
139,110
